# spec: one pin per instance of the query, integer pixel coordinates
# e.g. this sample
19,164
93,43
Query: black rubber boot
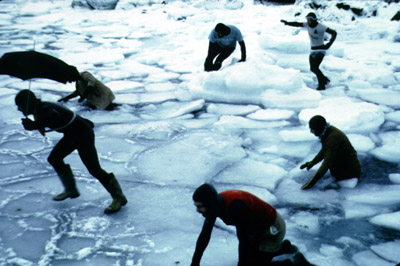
68,181
286,248
119,199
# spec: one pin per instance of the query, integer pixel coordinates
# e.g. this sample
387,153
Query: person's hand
307,165
28,124
310,183
307,186
62,100
284,21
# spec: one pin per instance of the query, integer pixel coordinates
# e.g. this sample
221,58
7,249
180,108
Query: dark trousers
79,137
315,61
249,255
215,50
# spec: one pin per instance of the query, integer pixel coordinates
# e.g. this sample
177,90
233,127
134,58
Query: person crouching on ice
79,135
98,95
222,43
337,153
260,228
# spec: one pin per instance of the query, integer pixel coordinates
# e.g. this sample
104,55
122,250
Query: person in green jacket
337,153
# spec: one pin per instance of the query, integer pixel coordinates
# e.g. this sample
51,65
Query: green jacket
339,157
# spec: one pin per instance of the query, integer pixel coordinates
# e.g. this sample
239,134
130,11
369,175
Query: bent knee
54,161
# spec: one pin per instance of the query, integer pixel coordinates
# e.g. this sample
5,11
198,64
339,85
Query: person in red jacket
260,228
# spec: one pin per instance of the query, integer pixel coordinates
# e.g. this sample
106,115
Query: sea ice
388,220
375,194
388,251
368,258
395,178
347,115
250,172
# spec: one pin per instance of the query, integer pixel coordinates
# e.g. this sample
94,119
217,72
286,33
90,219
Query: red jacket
259,217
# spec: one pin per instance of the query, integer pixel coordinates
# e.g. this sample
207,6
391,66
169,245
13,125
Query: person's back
345,164
257,217
52,115
98,94
222,43
228,40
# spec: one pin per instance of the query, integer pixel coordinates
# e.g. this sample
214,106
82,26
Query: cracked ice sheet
201,155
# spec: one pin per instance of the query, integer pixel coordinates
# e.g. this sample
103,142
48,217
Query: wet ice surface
243,127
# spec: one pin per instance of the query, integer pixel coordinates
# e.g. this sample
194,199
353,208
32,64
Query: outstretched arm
243,50
202,240
328,156
68,97
293,24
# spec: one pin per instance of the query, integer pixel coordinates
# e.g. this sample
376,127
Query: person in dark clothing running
337,153
79,135
316,32
222,43
260,228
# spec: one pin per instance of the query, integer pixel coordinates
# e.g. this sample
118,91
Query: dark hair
207,195
25,99
225,30
317,123
312,16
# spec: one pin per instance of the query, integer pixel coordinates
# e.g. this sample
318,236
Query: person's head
311,18
222,30
317,125
205,199
26,101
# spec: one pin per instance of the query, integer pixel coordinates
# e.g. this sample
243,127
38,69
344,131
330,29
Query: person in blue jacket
222,43
78,135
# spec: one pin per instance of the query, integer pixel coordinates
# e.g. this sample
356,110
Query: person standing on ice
316,32
79,135
222,43
98,95
337,153
260,228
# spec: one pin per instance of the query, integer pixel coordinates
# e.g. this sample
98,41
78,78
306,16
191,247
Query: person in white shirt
222,43
316,32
